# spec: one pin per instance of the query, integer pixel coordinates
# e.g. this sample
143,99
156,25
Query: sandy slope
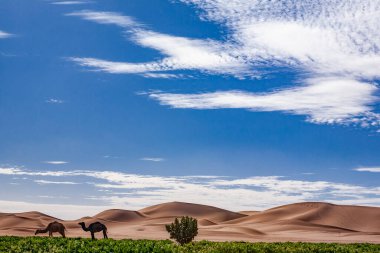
296,222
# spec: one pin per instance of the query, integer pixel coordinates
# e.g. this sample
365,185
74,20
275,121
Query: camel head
37,232
81,223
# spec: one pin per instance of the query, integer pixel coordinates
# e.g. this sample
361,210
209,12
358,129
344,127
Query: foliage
183,231
80,245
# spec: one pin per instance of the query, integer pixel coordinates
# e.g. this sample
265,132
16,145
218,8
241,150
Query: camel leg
50,234
105,234
92,235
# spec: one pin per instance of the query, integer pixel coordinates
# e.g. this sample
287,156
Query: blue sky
237,104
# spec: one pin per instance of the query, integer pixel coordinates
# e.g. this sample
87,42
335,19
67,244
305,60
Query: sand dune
24,220
355,218
311,221
206,222
119,215
23,223
175,209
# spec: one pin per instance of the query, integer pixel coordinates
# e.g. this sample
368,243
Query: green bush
183,231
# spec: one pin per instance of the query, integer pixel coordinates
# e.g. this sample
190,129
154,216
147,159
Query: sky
243,105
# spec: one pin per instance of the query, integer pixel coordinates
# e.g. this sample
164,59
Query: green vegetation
183,231
55,245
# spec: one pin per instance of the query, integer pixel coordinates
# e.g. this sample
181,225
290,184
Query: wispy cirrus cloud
319,37
322,100
4,35
165,75
54,101
133,191
180,53
325,42
103,17
71,2
337,40
55,162
153,159
368,169
183,54
42,182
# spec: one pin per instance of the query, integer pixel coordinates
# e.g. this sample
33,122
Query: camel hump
56,224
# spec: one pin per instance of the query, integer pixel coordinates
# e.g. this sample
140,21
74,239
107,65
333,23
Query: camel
53,227
94,228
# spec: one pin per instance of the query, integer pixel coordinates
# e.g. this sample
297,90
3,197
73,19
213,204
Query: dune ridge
175,209
308,221
345,217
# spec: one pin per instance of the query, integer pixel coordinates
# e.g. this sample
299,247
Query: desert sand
306,222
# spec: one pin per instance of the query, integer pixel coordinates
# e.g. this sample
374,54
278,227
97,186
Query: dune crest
176,209
120,215
345,217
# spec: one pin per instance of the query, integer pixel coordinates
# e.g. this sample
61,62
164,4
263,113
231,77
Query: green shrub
183,231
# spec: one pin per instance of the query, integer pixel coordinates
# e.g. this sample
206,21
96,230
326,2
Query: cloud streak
181,53
55,162
322,100
369,169
42,182
133,191
71,2
54,101
102,17
4,35
153,159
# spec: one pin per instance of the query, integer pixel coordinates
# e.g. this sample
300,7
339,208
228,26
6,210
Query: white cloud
322,100
131,181
111,156
185,53
110,18
52,197
255,193
55,162
42,182
71,2
54,101
181,53
338,38
329,43
19,171
164,75
369,169
4,35
153,159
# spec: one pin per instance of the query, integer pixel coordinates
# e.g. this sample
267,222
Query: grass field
53,245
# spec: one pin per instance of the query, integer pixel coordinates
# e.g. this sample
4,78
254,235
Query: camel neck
43,230
84,227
